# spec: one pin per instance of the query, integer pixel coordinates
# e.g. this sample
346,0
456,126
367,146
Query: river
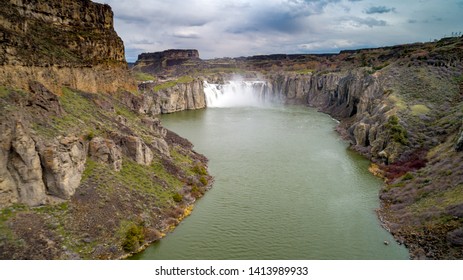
286,187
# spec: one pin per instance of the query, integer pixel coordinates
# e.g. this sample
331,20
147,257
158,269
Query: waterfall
236,94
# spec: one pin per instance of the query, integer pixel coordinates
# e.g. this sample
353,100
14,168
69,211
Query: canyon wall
61,43
172,98
355,96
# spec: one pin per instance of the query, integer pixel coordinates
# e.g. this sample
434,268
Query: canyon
87,170
398,106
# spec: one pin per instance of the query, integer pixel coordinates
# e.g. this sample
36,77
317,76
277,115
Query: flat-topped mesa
157,61
59,37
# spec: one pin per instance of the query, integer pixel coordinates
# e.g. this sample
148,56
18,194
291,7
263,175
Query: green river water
286,187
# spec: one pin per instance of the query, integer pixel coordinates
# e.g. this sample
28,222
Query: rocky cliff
61,43
86,171
172,96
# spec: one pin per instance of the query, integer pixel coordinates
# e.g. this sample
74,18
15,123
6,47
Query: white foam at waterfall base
235,94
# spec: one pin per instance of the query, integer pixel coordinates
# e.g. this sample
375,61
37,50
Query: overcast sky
225,28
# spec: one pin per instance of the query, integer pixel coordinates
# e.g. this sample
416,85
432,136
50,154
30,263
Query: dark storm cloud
370,22
379,10
285,17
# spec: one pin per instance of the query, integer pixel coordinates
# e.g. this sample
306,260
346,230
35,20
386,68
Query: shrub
200,169
89,136
203,180
196,192
396,131
177,197
134,237
396,185
408,176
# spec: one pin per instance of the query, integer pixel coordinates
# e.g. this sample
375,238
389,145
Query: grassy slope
420,203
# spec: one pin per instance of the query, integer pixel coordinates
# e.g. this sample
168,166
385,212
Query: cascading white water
236,94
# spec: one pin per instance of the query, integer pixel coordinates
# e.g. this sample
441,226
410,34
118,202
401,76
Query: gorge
88,171
398,106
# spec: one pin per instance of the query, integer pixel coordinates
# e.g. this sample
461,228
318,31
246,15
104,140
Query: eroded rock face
106,151
361,134
20,169
63,162
134,147
180,97
161,145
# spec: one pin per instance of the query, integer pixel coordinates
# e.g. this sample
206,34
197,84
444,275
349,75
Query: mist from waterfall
236,93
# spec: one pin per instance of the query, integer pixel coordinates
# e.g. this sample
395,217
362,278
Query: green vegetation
439,200
177,197
172,83
90,166
381,66
80,115
134,237
125,112
419,109
139,177
184,160
140,76
90,135
396,131
4,91
199,169
458,80
398,102
203,180
395,185
408,176
305,71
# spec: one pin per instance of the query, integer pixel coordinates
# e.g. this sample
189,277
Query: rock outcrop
106,151
63,162
173,98
21,177
61,43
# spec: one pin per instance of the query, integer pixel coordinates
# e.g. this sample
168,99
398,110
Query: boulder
106,151
63,162
133,147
